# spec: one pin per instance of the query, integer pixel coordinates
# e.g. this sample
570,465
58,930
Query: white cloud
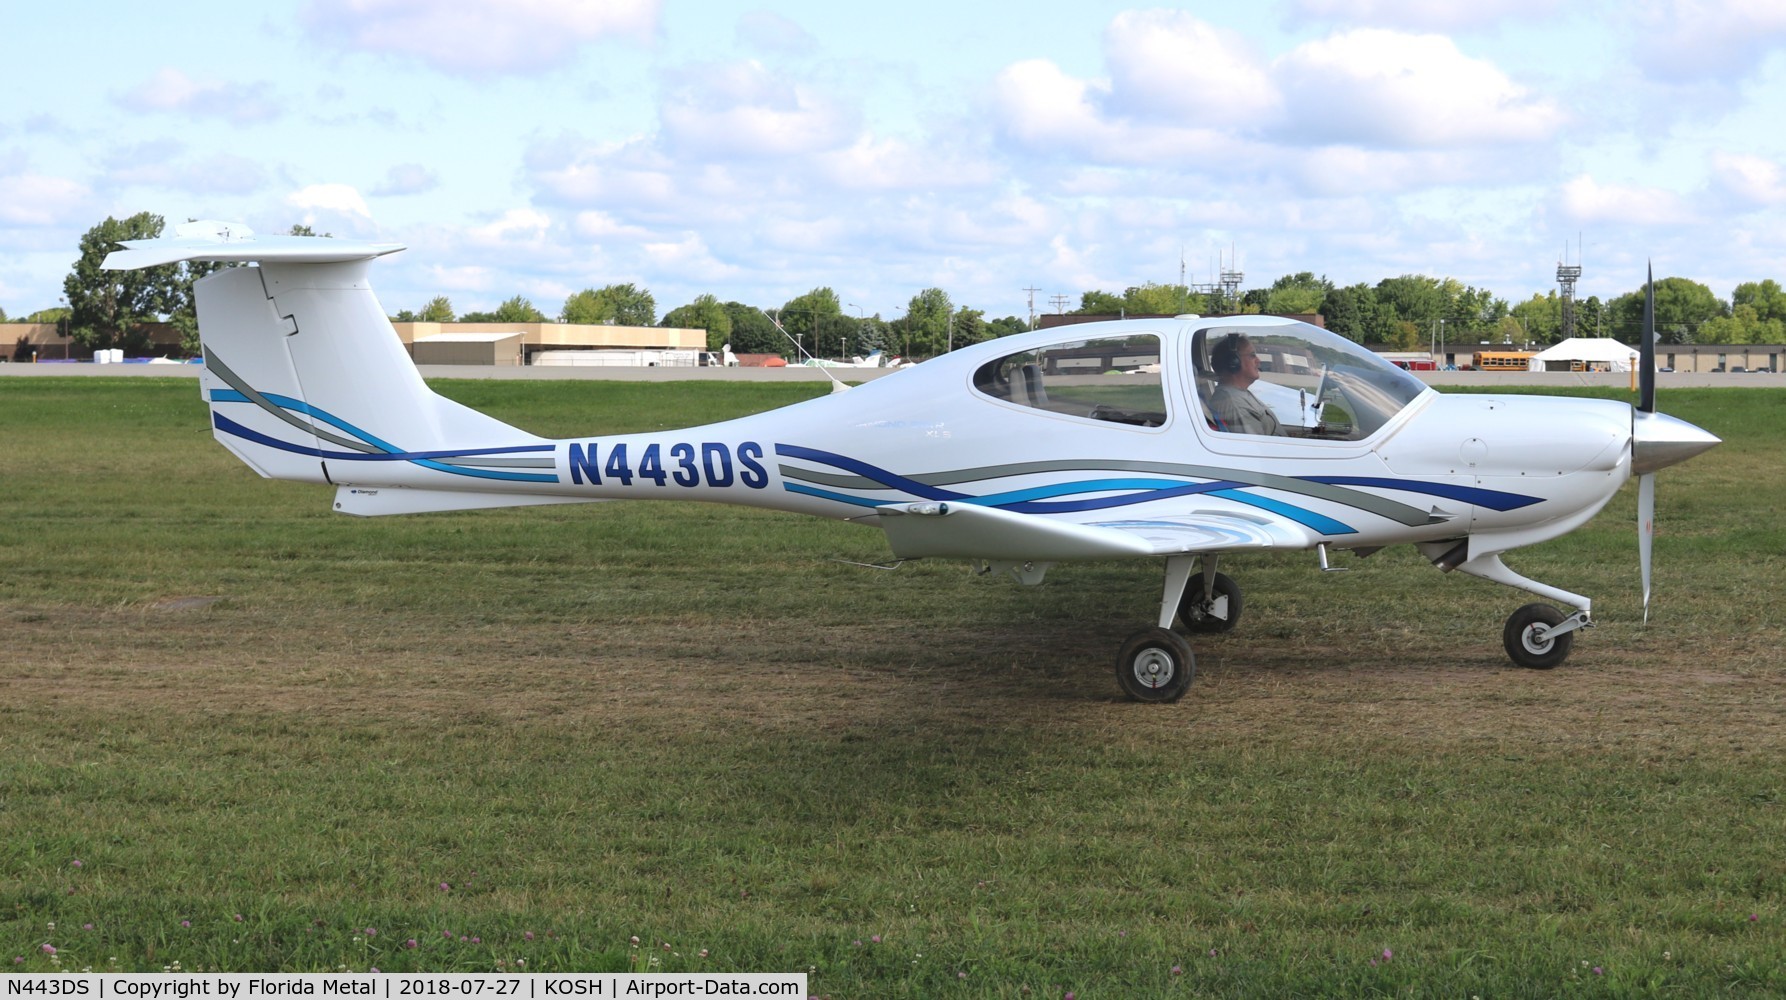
1419,14
29,199
517,225
407,178
1585,200
1682,41
1752,180
1169,64
172,91
1393,90
164,164
602,226
1040,104
335,208
770,32
738,109
479,37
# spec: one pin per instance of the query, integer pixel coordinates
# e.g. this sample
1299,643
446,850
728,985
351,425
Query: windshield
1296,380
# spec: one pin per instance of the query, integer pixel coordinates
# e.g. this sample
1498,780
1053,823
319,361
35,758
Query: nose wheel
1539,636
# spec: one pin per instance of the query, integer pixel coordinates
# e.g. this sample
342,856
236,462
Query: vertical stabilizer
306,380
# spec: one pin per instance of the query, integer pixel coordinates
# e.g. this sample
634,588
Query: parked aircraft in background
1019,452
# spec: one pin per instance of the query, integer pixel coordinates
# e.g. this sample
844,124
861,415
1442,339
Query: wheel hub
1154,668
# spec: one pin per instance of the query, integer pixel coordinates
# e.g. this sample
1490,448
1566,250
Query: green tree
620,304
1351,311
1682,307
1767,298
704,313
438,310
1095,303
752,332
1007,326
813,321
519,310
1540,318
107,308
1160,300
1296,294
924,329
970,327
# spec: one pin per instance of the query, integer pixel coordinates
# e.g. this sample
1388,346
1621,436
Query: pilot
1232,404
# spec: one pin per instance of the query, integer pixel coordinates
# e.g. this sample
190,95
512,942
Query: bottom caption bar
394,986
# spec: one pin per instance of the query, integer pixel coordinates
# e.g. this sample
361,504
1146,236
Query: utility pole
1032,305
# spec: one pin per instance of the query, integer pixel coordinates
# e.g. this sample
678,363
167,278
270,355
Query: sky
758,150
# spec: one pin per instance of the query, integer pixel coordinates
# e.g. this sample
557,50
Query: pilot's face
1249,365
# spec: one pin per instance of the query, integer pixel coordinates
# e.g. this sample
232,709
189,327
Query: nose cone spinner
1659,441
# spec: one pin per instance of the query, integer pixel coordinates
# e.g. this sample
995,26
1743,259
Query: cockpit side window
1115,379
1295,380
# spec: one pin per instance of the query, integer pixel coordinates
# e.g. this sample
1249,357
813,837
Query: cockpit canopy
1318,384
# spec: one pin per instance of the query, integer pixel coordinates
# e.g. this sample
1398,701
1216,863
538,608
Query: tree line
108,309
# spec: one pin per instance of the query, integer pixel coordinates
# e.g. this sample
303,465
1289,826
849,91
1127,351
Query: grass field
240,732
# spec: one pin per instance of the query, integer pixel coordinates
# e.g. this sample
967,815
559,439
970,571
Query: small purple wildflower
18,960
411,943
1387,954
444,887
447,934
875,938
528,936
185,923
49,949
371,932
238,918
1599,971
76,862
1178,970
1754,917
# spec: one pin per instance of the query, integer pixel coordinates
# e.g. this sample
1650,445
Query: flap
971,531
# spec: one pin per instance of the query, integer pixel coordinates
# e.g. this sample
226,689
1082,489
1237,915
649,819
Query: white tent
1595,353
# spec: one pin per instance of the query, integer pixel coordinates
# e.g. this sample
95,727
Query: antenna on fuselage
800,350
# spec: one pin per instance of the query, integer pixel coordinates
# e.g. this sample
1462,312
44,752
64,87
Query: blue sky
757,150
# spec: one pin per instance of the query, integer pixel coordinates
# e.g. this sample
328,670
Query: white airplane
1017,453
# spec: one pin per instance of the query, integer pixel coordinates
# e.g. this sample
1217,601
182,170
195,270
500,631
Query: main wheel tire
1155,665
1523,645
1196,610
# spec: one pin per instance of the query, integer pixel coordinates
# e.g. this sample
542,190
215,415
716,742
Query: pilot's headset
1225,357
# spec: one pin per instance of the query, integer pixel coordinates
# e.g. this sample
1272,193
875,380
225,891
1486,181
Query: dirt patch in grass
372,668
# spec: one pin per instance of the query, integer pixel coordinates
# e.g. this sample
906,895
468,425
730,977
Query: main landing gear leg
1536,636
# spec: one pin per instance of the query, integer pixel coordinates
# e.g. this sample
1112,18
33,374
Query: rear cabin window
1114,379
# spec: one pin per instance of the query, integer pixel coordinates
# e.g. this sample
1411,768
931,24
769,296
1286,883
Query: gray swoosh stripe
1357,499
235,382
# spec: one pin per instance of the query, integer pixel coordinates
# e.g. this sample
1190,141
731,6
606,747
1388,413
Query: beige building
463,343
537,337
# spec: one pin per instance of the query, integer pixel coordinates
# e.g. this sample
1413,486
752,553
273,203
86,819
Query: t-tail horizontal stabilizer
307,381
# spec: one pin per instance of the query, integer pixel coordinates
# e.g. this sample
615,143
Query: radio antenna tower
1231,279
1566,277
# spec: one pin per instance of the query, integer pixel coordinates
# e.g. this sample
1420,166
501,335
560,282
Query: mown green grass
535,735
